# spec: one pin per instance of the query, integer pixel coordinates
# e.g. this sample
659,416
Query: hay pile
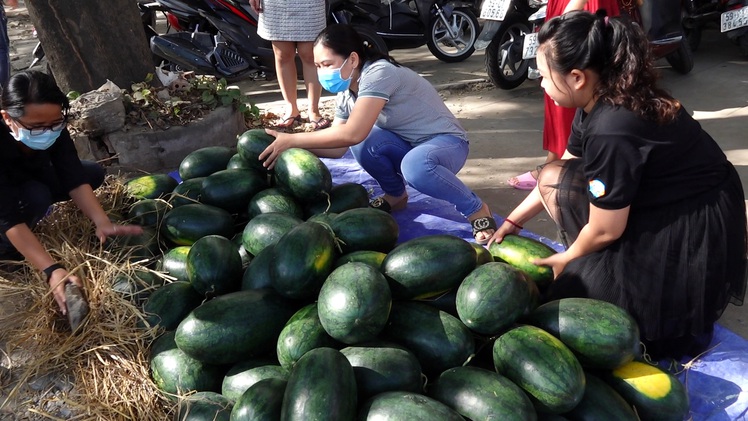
102,372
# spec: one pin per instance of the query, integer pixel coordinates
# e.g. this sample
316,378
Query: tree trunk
87,42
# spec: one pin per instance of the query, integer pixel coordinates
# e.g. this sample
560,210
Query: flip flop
322,123
524,181
289,122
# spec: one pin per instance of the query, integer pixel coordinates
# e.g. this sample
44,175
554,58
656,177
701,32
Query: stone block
163,150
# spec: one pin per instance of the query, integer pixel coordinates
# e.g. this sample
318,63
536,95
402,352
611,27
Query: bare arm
604,227
531,206
337,137
24,240
575,5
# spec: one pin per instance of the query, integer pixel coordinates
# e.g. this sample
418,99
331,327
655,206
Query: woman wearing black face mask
38,167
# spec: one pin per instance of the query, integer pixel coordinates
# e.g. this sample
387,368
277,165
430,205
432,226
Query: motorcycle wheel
681,59
451,50
370,37
504,63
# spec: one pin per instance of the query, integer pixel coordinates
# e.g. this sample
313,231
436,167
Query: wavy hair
618,51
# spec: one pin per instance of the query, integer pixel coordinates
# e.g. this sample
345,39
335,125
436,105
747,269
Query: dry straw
105,365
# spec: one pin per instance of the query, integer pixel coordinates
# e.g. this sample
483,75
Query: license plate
734,19
495,9
530,46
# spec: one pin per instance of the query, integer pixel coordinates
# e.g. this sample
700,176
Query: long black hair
343,40
618,51
31,87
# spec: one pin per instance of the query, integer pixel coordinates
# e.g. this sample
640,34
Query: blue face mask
332,81
38,142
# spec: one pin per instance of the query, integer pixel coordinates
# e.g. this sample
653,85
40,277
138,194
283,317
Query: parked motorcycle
448,27
731,16
508,22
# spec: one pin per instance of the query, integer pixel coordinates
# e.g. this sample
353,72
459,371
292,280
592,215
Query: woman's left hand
557,262
111,229
281,143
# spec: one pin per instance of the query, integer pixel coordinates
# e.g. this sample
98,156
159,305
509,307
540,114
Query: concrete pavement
505,127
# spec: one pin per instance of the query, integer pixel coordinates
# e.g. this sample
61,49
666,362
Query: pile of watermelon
291,299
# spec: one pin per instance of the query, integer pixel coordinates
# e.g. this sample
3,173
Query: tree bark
87,42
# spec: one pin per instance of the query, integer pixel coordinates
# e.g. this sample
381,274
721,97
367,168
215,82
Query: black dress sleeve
67,165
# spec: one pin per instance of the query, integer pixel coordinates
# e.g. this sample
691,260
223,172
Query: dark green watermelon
262,401
266,229
302,174
383,367
186,224
204,162
302,333
232,189
242,375
410,406
366,229
274,200
214,266
203,406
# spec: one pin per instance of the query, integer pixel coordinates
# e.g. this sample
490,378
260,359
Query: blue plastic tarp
717,381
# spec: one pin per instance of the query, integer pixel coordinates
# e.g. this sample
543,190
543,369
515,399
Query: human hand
270,154
57,286
557,262
505,229
106,230
256,5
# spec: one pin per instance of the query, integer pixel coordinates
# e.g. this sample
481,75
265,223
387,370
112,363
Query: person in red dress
557,121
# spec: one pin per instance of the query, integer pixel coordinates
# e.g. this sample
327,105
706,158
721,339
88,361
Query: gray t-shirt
413,111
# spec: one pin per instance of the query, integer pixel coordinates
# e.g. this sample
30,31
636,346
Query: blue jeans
429,167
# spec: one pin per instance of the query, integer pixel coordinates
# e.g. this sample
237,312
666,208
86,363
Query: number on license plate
734,19
494,9
530,46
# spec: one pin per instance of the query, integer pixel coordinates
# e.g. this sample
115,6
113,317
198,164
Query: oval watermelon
170,304
174,262
492,297
365,229
150,186
232,189
214,266
343,197
147,212
266,229
302,174
235,326
428,266
175,372
204,162
520,252
262,401
187,192
251,143
203,406
438,339
354,303
370,257
542,366
257,274
302,333
321,387
601,402
480,394
242,375
383,367
186,224
303,258
274,200
400,405
601,335
237,162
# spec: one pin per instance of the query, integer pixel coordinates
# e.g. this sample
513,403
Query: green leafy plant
157,106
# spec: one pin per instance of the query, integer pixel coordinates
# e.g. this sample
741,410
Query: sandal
289,122
320,124
383,205
523,181
483,224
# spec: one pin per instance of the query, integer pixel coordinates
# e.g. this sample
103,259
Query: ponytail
343,40
618,51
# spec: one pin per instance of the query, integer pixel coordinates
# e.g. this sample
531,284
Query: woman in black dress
652,213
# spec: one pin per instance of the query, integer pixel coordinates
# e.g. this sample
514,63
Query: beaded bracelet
513,223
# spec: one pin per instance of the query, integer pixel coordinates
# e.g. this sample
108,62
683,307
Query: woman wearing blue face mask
395,124
38,167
